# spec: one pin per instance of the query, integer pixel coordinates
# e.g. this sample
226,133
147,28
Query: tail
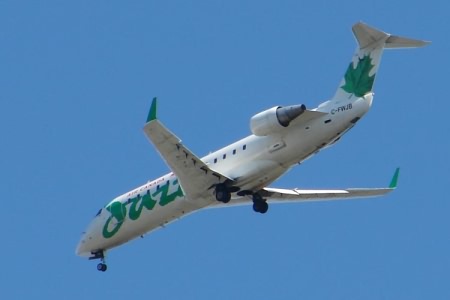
360,75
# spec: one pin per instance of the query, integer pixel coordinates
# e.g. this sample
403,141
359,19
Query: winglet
152,112
394,179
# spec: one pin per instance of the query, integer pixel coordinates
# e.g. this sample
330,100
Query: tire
264,207
102,267
223,195
255,207
260,206
227,197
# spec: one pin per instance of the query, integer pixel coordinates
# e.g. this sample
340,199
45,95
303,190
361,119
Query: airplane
282,137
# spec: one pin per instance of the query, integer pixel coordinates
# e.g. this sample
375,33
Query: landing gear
261,207
223,194
259,204
100,254
102,267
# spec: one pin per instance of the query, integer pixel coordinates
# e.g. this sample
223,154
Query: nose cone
82,248
90,240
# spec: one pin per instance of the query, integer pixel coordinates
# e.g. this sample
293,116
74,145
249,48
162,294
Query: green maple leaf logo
357,80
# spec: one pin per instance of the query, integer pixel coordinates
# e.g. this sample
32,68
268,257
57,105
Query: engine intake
275,119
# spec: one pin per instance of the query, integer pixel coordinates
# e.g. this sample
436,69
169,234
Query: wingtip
394,179
152,113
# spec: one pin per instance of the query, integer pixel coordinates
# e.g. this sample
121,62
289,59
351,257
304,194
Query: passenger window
215,160
244,147
234,151
224,156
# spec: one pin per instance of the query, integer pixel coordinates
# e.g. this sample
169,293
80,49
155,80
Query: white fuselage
253,162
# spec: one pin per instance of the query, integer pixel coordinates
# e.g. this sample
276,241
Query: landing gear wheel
102,267
255,206
223,194
259,204
260,207
264,208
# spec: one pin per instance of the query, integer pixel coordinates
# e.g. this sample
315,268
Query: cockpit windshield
99,212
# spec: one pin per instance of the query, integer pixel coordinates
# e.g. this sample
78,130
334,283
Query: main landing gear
223,194
100,254
260,204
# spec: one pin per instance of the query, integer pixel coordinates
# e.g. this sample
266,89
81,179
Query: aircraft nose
83,247
90,239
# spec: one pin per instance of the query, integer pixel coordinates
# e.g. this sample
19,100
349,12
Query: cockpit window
99,212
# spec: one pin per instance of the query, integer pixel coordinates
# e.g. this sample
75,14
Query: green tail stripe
152,112
394,180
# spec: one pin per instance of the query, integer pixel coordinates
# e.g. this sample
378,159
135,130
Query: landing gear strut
100,255
259,204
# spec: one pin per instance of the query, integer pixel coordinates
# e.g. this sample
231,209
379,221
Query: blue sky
76,82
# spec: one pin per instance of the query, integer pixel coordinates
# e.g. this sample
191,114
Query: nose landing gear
100,254
102,267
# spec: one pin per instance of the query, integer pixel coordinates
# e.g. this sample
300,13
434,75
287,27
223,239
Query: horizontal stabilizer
371,37
400,42
367,36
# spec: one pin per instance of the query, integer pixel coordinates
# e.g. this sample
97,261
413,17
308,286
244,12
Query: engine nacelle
274,119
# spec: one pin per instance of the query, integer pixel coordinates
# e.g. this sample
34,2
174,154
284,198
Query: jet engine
275,119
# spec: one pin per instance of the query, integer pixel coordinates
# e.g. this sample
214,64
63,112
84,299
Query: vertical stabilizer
360,75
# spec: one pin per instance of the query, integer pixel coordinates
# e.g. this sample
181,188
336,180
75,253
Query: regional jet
281,137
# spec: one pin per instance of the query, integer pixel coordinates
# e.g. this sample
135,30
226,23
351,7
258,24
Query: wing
275,195
195,177
281,195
